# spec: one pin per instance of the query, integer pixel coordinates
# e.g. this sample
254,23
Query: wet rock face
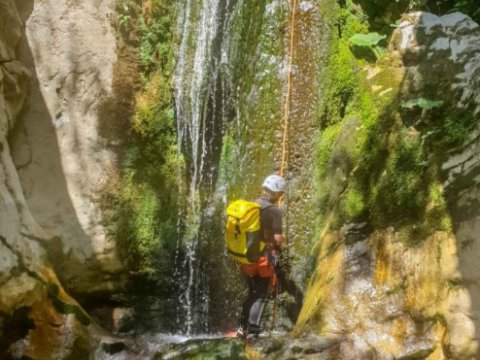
267,348
389,300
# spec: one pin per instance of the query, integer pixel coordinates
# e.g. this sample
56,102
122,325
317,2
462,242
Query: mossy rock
205,349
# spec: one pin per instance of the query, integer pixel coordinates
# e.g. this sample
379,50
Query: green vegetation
140,207
64,308
380,151
370,41
144,216
456,129
422,103
148,24
398,195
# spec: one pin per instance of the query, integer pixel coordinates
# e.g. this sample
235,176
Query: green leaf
422,103
368,40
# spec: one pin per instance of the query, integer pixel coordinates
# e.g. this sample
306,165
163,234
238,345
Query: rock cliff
54,71
403,291
62,161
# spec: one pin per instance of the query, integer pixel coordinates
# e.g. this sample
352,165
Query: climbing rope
285,144
286,114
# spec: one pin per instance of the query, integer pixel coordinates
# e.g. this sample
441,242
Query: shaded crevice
14,327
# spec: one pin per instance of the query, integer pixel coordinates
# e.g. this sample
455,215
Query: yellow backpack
243,235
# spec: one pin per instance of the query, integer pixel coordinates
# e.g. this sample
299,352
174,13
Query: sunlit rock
38,319
390,298
63,160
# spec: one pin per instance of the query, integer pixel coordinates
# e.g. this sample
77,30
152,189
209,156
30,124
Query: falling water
229,68
199,126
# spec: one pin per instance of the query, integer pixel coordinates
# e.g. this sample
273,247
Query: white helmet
274,183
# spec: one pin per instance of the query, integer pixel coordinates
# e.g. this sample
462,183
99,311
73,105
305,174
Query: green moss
340,85
64,308
218,349
373,164
139,212
399,194
256,55
355,203
456,126
140,207
325,148
146,213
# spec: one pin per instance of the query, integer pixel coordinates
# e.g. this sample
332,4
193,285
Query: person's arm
277,226
279,239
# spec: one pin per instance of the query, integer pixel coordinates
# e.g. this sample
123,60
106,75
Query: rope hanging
286,114
285,142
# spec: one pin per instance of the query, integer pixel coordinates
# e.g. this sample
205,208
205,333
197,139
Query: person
260,275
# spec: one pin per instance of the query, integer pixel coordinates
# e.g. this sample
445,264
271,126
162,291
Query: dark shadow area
15,327
116,110
383,15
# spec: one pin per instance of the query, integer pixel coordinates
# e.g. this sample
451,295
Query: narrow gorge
128,126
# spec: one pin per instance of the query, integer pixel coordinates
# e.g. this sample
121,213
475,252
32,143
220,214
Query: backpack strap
264,204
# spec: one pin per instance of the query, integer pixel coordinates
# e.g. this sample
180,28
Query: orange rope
285,139
289,90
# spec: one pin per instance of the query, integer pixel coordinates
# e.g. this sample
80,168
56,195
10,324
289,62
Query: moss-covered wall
364,148
256,55
140,206
387,119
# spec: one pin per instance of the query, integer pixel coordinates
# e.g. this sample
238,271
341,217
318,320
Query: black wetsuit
271,224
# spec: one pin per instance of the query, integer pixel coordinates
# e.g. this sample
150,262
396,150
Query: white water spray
191,88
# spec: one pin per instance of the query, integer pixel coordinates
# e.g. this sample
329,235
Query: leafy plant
422,103
369,41
457,129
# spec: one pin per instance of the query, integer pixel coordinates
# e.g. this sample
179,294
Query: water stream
200,117
228,87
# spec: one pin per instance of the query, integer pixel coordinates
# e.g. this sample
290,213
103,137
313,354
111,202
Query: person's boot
253,331
241,333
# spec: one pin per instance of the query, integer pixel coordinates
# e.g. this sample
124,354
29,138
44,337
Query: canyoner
256,245
254,236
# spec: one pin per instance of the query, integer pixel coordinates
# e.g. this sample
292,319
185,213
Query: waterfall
228,87
200,112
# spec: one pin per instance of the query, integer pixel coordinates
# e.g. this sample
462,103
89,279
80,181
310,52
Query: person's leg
257,303
247,304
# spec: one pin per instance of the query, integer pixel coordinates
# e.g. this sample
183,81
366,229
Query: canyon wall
392,282
56,67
